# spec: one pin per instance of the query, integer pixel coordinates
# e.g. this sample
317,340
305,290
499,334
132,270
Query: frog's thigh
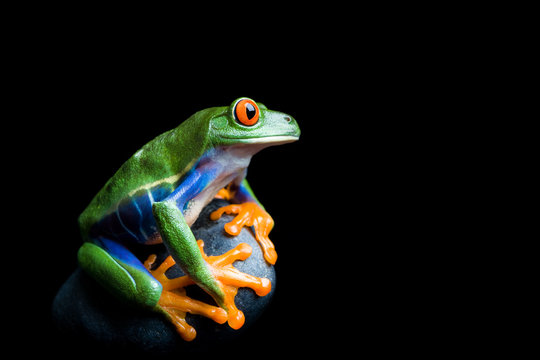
120,272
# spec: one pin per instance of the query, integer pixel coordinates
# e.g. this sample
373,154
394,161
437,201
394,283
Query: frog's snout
292,125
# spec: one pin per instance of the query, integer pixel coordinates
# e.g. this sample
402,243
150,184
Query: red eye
247,112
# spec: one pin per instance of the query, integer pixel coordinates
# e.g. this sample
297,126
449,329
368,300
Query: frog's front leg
181,243
177,236
249,212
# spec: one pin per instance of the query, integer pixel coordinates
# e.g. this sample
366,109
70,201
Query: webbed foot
250,214
176,304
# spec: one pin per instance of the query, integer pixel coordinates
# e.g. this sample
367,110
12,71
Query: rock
85,310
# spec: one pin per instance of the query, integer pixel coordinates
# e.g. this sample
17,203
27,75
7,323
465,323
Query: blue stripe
125,227
133,219
143,234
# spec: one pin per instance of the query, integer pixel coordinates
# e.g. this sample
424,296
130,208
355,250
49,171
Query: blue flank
133,219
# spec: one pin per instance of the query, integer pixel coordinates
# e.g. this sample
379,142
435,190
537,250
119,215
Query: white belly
195,206
231,163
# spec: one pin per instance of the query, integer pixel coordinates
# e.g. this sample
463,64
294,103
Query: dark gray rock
84,310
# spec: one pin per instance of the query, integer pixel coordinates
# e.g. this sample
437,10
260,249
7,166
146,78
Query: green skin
166,159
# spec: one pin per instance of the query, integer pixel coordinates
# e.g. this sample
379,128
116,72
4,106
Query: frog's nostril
287,119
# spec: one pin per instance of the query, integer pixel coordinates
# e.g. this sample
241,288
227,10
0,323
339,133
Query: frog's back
149,175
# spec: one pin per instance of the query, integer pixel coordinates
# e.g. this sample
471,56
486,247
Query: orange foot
176,304
250,214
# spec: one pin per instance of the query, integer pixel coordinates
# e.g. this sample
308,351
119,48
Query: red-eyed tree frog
156,196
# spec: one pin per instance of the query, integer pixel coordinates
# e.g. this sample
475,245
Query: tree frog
158,193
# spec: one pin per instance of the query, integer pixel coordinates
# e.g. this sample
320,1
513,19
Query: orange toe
250,214
175,304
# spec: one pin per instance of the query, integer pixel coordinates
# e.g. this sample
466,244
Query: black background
347,198
380,208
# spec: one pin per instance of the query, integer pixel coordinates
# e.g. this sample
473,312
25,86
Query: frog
159,192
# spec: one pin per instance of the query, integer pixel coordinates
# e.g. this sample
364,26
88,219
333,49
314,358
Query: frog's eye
246,112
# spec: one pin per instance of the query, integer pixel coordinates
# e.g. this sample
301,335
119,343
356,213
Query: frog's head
248,122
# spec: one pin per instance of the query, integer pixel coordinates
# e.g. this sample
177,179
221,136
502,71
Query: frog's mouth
255,144
270,140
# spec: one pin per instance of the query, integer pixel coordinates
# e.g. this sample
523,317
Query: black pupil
250,111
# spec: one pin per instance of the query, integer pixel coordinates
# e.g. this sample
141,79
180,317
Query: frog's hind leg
120,272
114,267
175,303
